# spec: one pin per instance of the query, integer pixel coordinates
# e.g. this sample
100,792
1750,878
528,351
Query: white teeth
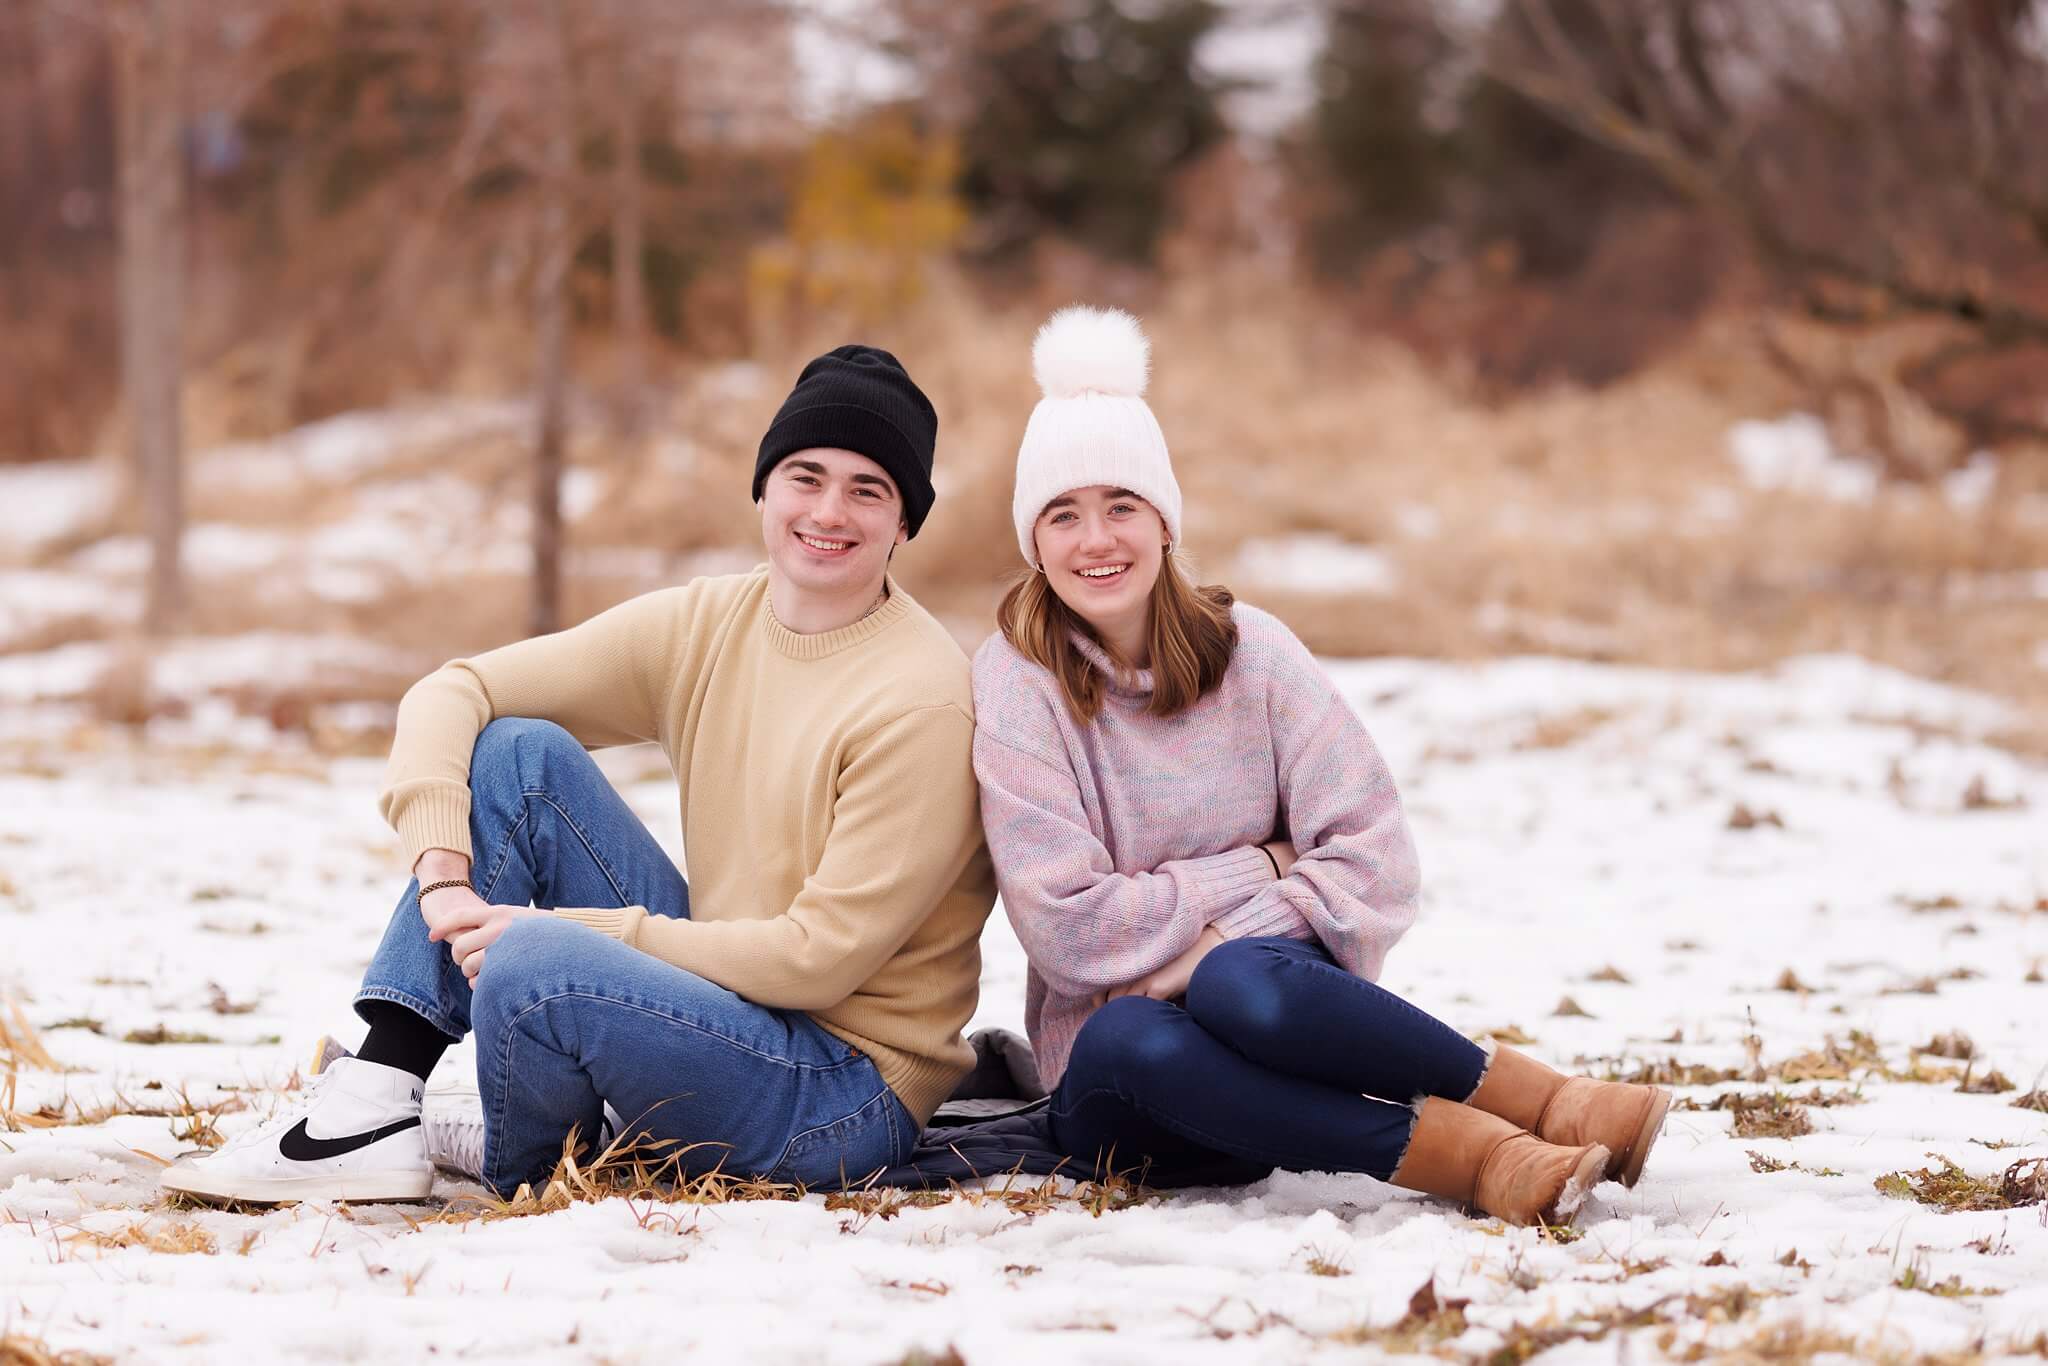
1105,572
822,545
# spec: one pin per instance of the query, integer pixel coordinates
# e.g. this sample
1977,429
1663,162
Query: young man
795,1009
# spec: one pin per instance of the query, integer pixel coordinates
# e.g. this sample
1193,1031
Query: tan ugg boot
1475,1158
1574,1110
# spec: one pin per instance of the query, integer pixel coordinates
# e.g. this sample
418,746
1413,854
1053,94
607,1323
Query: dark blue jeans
567,1019
1276,1057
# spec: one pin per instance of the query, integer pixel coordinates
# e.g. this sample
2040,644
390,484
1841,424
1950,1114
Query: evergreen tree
1087,109
1547,187
1380,169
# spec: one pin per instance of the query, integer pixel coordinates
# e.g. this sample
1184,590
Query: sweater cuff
1224,881
614,922
435,817
1263,917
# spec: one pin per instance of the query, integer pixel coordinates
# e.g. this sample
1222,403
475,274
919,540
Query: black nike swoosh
299,1146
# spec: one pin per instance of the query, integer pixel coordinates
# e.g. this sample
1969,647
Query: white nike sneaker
355,1135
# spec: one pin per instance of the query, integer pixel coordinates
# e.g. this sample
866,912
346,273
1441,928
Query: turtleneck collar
1134,685
894,608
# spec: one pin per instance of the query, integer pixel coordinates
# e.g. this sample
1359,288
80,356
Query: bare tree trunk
551,309
629,285
150,38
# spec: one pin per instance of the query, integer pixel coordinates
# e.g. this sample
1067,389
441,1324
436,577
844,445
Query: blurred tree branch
1863,148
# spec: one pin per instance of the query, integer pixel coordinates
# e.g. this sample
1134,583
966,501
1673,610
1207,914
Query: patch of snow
350,445
1967,488
359,716
66,671
1715,506
1553,633
444,500
384,542
1793,455
193,667
619,562
45,502
1316,562
347,583
114,556
1417,521
581,488
222,549
740,379
30,598
2026,585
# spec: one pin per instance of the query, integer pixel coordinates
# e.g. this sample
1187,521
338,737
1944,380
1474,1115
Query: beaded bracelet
451,882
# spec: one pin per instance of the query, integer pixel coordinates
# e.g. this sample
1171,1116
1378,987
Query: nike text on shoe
355,1135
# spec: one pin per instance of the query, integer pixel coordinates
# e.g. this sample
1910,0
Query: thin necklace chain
873,608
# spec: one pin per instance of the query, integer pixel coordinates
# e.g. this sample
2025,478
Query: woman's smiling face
1102,549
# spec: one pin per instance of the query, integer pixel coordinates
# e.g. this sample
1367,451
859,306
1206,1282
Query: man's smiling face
829,519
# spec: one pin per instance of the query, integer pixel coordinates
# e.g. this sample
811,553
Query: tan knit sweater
830,815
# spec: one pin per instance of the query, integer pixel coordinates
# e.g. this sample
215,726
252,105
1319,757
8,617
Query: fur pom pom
1091,351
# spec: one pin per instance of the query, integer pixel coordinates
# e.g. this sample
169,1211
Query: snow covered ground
1720,872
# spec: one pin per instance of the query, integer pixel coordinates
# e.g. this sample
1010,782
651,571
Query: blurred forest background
1689,332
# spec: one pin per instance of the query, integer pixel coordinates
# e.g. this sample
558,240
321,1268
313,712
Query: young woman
1206,861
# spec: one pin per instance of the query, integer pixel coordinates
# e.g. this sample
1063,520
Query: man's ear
902,530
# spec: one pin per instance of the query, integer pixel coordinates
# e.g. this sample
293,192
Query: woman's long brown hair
1192,637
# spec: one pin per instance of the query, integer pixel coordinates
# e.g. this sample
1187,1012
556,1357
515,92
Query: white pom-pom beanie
1092,426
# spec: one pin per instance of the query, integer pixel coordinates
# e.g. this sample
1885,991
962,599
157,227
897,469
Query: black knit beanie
859,399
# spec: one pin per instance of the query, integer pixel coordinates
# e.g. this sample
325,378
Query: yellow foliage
875,204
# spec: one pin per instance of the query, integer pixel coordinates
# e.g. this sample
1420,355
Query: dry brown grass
18,1349
656,1175
1429,1322
1774,1115
1670,1072
1952,1189
191,1121
1834,1061
171,1237
20,1044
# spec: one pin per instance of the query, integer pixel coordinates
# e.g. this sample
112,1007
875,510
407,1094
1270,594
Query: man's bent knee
520,742
529,952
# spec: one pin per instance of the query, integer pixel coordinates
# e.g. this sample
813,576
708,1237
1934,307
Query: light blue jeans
567,1019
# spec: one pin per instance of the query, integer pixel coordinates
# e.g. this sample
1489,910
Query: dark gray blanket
994,1124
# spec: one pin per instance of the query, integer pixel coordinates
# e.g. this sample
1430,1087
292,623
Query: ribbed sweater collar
827,643
1134,685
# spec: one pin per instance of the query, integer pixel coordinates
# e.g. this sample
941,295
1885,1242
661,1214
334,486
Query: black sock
399,1038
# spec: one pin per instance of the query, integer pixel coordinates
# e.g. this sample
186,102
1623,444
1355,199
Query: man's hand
457,915
467,946
1164,984
452,910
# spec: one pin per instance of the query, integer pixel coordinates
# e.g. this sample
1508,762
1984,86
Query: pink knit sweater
1115,843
